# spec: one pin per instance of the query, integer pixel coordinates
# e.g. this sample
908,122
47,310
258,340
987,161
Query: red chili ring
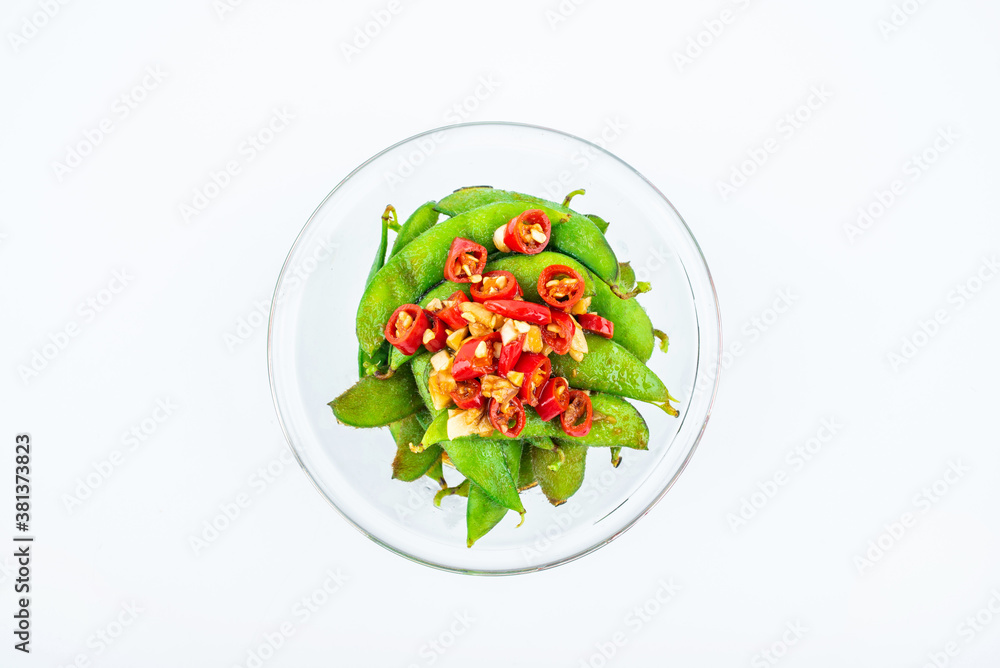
482,291
560,272
465,260
520,227
502,414
409,339
596,324
561,340
536,369
579,405
553,399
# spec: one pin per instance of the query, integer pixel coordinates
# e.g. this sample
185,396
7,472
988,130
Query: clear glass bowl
312,349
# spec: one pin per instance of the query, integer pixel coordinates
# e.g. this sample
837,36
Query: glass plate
312,349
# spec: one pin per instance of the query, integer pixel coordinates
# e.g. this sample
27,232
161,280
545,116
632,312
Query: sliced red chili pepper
468,394
561,339
501,415
509,354
578,416
452,313
521,234
495,285
537,314
406,328
536,369
560,286
465,260
554,398
471,361
438,335
596,324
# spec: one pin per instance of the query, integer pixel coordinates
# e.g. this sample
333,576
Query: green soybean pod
633,329
559,472
608,367
579,237
408,465
377,402
483,462
424,218
370,364
482,512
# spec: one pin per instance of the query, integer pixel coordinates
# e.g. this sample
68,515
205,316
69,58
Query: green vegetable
578,237
619,424
376,402
559,472
633,329
483,513
420,265
369,365
424,218
608,367
602,224
408,465
526,477
483,462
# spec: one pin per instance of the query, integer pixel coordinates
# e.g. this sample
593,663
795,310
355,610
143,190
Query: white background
686,127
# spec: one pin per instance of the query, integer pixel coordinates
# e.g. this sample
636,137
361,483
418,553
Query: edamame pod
483,462
376,402
421,371
408,465
482,512
608,367
526,477
633,329
579,237
369,365
616,422
420,265
425,217
559,472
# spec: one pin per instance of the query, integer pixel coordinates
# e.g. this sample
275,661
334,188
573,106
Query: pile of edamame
502,340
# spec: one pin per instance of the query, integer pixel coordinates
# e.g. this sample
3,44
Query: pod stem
667,408
664,339
562,459
462,489
569,197
616,456
641,287
390,218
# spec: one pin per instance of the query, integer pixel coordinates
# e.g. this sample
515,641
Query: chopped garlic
581,306
498,239
516,378
469,423
533,341
521,326
508,332
478,329
441,360
435,305
455,339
